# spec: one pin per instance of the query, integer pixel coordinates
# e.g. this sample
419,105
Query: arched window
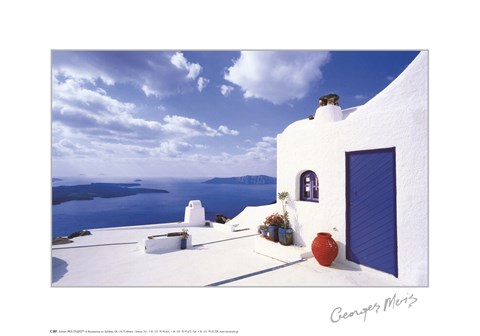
309,187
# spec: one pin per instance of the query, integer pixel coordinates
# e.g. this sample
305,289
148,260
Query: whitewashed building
361,174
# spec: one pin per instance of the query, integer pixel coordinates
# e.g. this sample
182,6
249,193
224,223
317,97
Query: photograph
239,168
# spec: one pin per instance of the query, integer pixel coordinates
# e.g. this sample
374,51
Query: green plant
276,219
283,196
262,227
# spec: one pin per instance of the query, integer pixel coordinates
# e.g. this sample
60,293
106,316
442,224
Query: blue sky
196,113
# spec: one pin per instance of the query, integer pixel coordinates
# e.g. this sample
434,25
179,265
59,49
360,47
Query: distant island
55,179
248,179
137,180
63,194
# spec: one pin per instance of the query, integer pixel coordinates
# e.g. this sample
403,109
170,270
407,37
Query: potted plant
183,241
273,222
285,233
263,230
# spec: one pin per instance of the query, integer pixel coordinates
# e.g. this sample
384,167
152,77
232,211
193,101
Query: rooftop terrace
115,257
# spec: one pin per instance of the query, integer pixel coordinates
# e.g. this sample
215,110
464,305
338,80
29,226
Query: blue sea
226,199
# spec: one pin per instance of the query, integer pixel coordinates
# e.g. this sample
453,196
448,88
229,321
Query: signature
389,304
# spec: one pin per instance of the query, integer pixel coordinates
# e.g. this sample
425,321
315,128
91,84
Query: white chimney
195,213
328,110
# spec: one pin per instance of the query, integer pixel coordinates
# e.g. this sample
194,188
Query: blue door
371,235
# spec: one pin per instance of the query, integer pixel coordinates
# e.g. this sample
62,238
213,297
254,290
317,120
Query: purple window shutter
314,187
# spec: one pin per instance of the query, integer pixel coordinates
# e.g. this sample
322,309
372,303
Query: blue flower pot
264,233
183,244
273,233
285,236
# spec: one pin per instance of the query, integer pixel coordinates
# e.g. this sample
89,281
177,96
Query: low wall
163,244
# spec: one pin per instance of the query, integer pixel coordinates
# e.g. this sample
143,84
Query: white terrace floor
113,257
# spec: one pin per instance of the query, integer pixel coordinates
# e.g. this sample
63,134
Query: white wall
396,117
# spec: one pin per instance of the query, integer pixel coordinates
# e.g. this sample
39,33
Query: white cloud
157,74
165,149
73,91
93,113
101,91
117,158
151,92
181,62
277,76
270,140
174,147
226,90
390,78
225,130
264,150
167,159
187,127
359,96
66,147
202,83
87,72
88,122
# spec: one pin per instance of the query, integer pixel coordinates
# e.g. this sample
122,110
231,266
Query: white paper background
30,29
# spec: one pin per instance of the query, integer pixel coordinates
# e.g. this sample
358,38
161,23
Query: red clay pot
324,248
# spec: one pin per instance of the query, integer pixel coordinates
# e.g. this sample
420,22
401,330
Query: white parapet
195,214
163,244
